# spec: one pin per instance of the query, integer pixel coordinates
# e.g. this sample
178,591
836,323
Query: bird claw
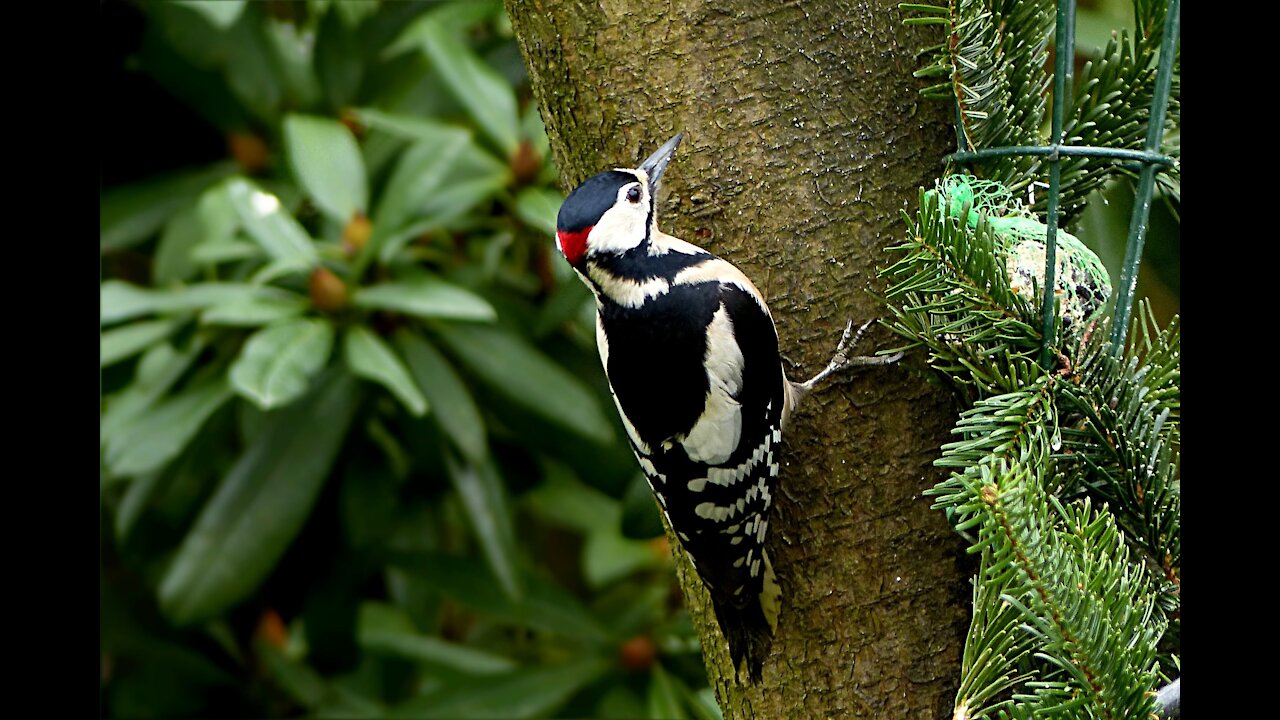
841,360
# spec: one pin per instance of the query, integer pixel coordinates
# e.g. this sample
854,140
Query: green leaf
253,71
546,606
130,214
327,162
538,208
353,12
326,699
260,506
565,500
486,96
421,171
371,358
703,703
338,62
158,369
664,697
453,406
608,556
173,259
135,500
119,300
158,435
268,223
427,297
413,128
214,252
640,518
525,693
291,46
387,629
222,14
123,342
484,497
524,376
277,363
252,311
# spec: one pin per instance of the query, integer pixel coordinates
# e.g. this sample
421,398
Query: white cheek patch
621,228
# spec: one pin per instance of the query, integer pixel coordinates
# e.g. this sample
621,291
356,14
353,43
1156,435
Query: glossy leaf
476,176
640,518
524,376
371,358
484,498
278,362
546,606
414,128
608,556
388,630
421,171
222,14
338,63
525,693
538,208
158,369
327,162
455,18
270,225
427,297
212,253
486,96
251,71
260,506
135,500
158,435
664,696
291,47
119,300
130,214
703,703
450,400
255,310
173,258
123,342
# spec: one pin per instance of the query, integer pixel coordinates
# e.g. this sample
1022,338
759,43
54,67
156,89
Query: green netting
1081,282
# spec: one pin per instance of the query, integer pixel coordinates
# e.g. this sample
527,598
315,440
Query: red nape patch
573,245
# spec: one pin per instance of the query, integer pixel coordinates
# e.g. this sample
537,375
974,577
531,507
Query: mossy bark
805,137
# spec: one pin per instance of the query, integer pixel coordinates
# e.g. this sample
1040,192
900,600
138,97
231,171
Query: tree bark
805,137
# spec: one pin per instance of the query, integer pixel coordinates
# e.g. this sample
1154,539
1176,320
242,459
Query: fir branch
950,293
1017,427
1084,594
994,58
1124,435
1111,108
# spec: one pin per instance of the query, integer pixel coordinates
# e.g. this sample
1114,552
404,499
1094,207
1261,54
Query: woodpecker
691,353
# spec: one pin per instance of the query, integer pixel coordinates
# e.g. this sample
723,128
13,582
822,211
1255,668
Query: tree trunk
804,139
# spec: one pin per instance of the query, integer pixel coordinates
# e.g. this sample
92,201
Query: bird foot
842,359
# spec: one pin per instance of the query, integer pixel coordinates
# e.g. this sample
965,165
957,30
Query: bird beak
657,162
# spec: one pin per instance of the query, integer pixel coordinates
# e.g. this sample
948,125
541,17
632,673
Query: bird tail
749,629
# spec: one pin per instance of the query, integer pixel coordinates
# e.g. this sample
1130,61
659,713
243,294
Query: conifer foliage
1064,479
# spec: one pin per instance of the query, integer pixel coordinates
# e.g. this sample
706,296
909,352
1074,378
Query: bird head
614,211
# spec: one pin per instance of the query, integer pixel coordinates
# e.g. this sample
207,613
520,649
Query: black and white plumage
691,353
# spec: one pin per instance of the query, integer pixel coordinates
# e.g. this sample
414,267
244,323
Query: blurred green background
358,455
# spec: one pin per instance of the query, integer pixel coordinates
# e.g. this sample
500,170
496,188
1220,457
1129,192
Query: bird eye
634,194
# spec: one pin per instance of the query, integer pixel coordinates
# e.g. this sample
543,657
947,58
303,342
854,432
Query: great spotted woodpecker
691,353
